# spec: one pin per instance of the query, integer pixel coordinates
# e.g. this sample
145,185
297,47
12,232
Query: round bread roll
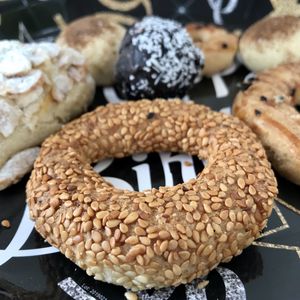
42,86
270,42
159,237
99,40
267,106
219,46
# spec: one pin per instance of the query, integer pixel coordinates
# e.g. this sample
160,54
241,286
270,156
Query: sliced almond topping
13,63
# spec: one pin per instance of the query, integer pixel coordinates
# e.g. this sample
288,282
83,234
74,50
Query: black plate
31,269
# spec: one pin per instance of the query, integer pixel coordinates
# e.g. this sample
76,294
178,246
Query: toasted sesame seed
132,217
5,223
252,190
164,246
197,223
180,228
112,223
169,274
130,295
96,236
163,234
241,183
145,240
228,202
132,240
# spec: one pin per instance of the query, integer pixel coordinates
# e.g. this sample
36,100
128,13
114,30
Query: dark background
267,273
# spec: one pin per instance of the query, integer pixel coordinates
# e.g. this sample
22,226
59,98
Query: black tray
31,269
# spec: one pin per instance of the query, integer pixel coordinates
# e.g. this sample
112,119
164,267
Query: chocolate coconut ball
157,59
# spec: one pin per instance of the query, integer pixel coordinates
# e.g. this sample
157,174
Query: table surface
32,269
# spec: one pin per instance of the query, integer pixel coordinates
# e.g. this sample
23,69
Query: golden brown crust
98,38
267,107
270,42
279,27
219,46
81,31
159,237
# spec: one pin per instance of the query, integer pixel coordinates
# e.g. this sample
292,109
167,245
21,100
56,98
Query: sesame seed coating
159,237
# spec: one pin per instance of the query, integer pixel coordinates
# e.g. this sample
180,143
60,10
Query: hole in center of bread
144,171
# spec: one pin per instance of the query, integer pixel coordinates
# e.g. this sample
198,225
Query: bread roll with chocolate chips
98,39
42,86
267,106
270,42
218,45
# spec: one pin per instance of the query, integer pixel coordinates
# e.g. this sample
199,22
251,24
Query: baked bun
98,39
42,86
270,42
219,46
267,107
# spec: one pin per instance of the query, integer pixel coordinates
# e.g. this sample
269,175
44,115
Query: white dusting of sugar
19,85
9,117
13,63
62,85
70,56
25,71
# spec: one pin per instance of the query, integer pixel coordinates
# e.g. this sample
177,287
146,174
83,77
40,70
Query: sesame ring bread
98,38
267,106
159,237
219,46
272,41
42,86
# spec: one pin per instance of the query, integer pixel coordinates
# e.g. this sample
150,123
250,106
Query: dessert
157,59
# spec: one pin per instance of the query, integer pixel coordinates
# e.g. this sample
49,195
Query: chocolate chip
150,115
293,92
71,188
224,45
257,112
263,98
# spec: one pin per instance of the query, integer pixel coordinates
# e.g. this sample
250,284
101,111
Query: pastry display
267,106
159,237
97,38
157,59
218,45
272,41
42,86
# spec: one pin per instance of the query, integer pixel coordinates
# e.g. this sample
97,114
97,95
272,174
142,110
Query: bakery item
272,41
267,106
17,166
157,59
42,86
159,237
218,45
98,39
